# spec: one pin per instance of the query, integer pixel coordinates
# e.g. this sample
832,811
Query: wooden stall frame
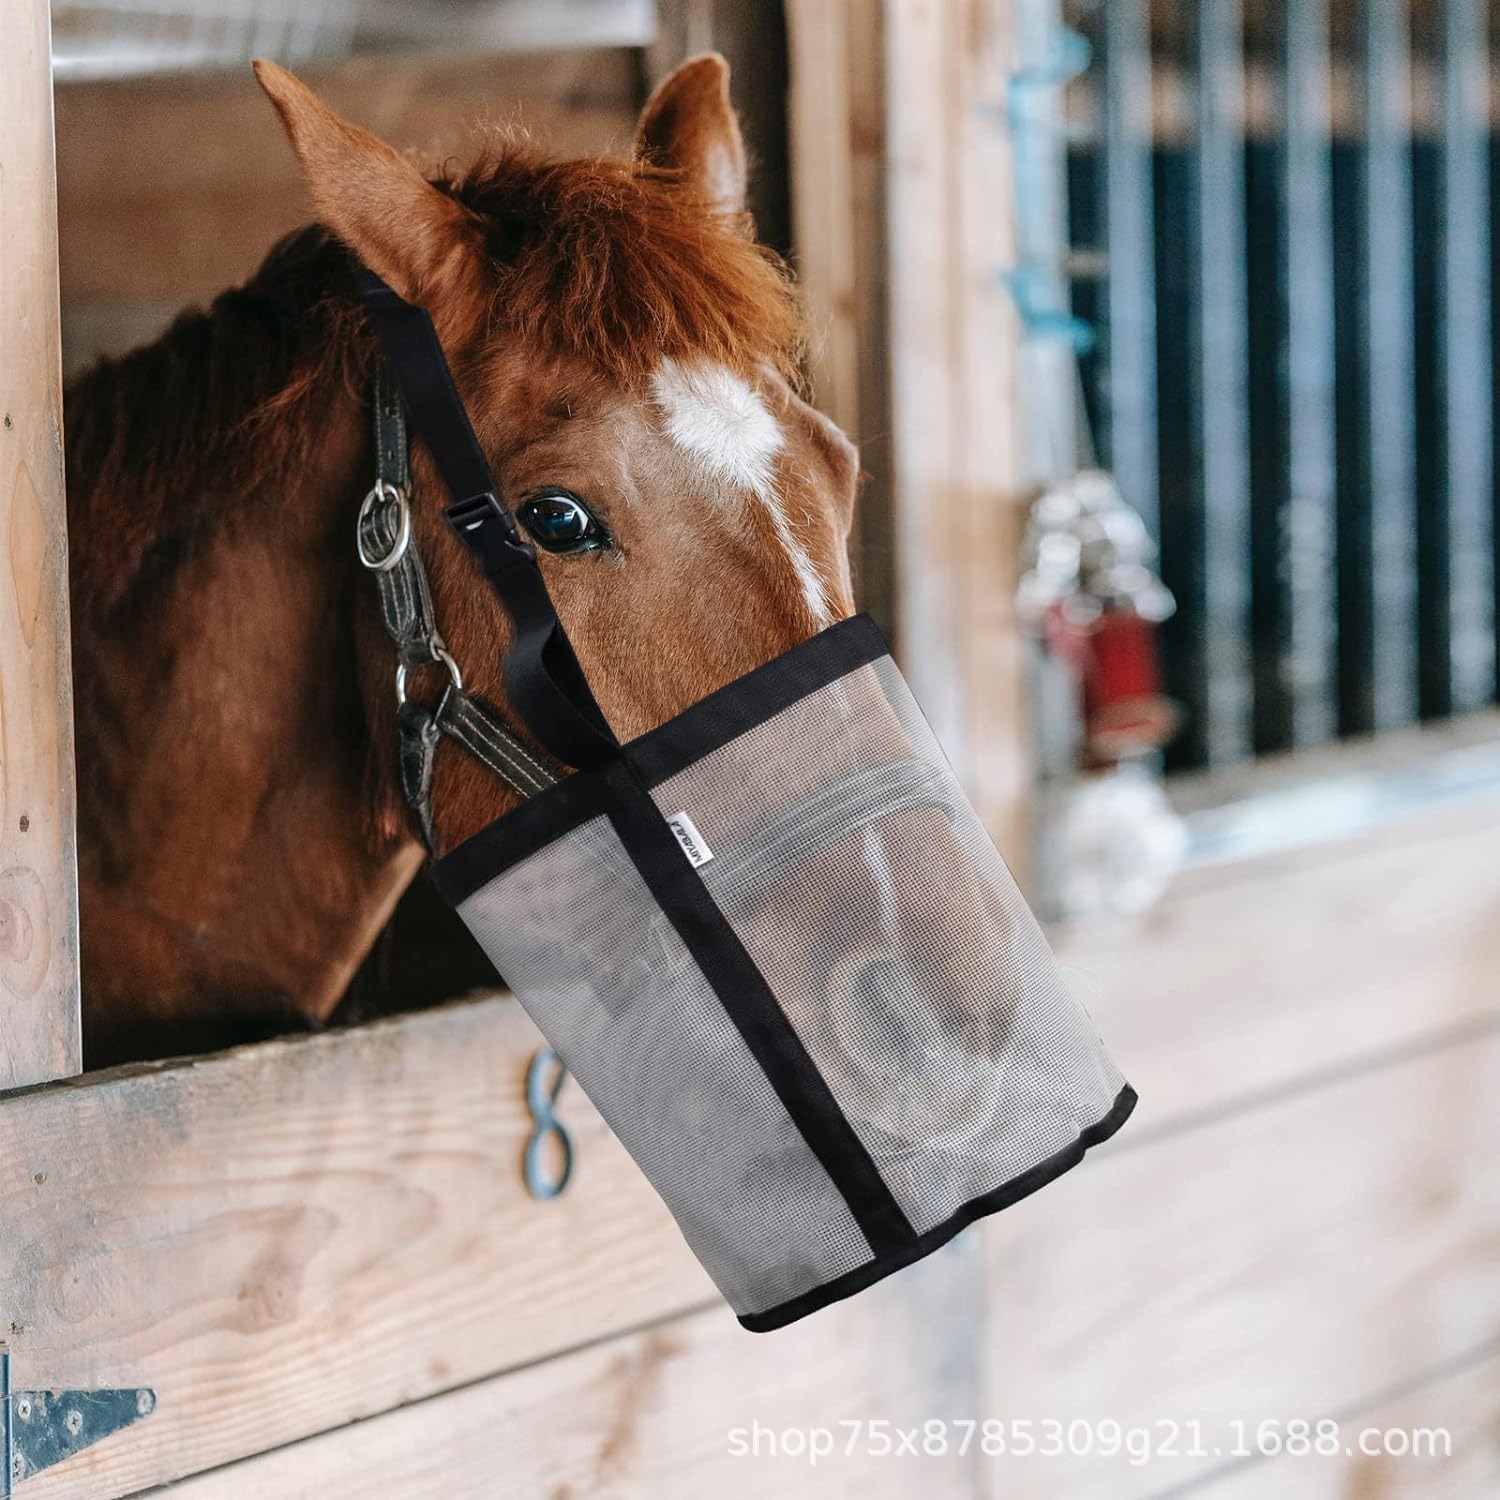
40,1037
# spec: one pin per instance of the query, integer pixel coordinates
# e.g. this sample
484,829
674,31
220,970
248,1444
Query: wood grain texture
1266,974
958,473
648,1417
171,189
1292,1261
39,1029
285,1238
1463,1402
837,125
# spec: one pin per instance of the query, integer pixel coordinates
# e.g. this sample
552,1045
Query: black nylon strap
546,686
749,1003
549,691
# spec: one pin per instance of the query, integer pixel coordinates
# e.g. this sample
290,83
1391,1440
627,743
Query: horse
629,355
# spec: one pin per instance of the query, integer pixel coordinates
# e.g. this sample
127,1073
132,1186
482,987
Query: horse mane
611,261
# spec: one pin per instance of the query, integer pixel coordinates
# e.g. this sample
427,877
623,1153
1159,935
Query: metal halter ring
439,653
384,491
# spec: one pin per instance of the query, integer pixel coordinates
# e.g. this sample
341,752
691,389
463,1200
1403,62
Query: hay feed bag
770,938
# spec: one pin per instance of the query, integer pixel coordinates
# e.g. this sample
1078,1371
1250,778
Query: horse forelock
621,265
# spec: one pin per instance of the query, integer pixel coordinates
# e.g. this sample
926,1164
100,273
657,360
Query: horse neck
231,874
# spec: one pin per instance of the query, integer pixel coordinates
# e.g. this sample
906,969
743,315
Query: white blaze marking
718,418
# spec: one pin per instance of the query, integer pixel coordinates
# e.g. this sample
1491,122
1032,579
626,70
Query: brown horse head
623,346
627,354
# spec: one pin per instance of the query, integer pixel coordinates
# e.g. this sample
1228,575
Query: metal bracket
41,1428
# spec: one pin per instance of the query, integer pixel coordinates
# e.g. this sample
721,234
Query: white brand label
693,846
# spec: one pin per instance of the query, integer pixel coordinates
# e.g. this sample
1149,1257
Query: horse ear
370,195
689,126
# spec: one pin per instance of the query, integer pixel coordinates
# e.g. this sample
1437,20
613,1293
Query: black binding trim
747,999
748,701
924,1244
661,753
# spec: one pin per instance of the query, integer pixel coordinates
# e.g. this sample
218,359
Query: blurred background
1168,334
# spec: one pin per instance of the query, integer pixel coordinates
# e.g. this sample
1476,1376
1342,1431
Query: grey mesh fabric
836,843
863,884
598,967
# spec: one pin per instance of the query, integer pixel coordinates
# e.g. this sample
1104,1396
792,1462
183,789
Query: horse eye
561,522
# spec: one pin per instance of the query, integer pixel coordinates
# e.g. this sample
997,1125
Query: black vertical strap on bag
549,692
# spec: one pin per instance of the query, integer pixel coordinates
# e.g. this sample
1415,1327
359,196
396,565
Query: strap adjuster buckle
470,518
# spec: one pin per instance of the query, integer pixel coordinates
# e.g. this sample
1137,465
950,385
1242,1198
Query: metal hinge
41,1428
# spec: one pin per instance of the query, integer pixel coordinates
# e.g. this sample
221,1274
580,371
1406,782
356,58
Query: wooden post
39,1024
902,211
959,462
837,126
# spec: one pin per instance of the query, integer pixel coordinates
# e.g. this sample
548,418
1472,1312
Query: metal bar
1388,337
1221,377
1434,679
1129,237
1355,593
1464,363
1181,512
1267,411
1309,529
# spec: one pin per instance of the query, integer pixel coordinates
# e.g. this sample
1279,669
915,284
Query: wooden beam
837,109
958,474
1294,1261
39,1025
653,1414
171,189
285,1238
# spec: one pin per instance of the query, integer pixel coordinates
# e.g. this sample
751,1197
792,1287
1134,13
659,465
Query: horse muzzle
779,952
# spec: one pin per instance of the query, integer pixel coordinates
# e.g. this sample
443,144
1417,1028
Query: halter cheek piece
542,675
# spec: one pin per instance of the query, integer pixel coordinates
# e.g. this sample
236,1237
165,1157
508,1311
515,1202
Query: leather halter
386,548
546,687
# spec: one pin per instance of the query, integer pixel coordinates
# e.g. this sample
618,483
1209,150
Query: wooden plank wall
171,189
650,1415
39,1029
1300,1223
286,1238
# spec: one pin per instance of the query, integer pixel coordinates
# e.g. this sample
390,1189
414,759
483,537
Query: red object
1124,709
